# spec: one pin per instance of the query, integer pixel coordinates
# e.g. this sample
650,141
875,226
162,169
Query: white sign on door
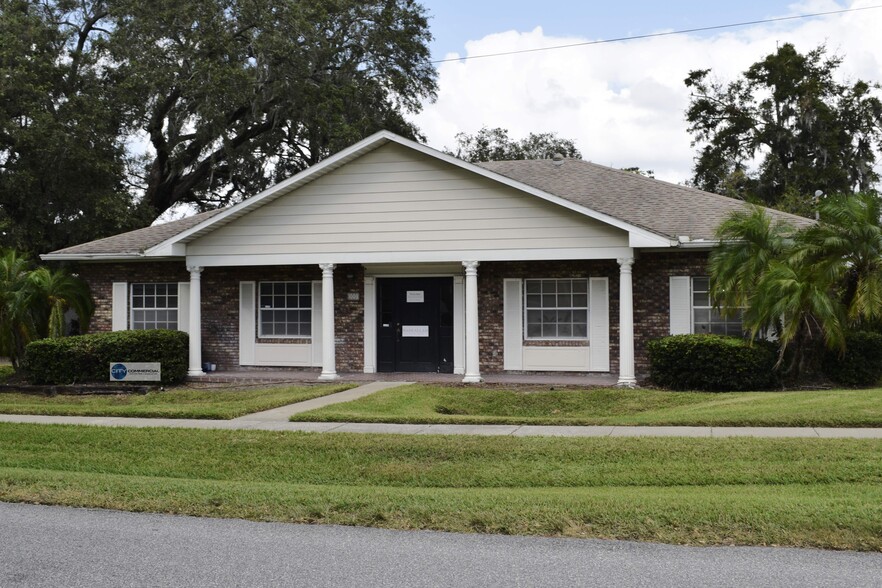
416,296
415,330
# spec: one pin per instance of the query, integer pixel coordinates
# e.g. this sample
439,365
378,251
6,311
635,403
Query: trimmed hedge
87,358
860,365
712,362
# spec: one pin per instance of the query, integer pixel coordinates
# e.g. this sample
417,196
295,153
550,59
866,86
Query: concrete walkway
277,420
283,413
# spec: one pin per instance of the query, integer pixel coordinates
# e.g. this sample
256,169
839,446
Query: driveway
57,546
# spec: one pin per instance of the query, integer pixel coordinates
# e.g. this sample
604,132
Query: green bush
712,362
860,365
87,358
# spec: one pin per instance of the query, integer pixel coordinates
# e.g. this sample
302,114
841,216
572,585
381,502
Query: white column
472,367
329,359
626,324
195,368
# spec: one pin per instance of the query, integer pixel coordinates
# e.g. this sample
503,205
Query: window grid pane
285,309
155,306
705,319
556,308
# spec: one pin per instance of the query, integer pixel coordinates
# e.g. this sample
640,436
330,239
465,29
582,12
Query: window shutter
317,323
598,327
120,306
184,306
246,323
681,305
513,316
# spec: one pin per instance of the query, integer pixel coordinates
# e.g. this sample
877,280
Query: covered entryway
415,325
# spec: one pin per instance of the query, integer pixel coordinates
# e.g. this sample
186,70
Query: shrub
87,358
712,362
860,365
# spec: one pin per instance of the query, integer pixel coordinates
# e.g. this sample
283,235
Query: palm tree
57,291
17,326
763,268
750,242
846,247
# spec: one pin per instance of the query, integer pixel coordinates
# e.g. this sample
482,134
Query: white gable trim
638,236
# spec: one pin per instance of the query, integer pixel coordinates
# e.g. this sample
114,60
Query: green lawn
179,403
485,405
801,492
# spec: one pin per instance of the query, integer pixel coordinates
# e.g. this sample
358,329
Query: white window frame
176,309
586,308
710,309
260,309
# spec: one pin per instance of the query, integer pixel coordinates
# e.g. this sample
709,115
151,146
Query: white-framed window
706,319
556,309
154,306
285,310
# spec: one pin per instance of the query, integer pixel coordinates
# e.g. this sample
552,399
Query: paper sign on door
414,330
416,296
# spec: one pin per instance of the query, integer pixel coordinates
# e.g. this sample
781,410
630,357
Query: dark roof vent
558,159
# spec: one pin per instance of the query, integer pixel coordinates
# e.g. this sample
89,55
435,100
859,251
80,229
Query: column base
472,379
328,376
627,383
192,372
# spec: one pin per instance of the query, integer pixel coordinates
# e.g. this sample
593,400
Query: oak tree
785,129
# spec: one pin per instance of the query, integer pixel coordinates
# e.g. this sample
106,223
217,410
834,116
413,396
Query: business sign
416,296
135,372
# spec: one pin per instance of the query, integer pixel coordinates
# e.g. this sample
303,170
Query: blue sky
622,103
454,22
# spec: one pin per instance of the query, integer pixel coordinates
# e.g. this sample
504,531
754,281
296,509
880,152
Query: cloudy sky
623,103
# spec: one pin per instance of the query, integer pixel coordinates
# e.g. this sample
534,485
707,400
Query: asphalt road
56,546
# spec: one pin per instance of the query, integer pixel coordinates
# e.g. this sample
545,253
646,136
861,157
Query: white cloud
624,103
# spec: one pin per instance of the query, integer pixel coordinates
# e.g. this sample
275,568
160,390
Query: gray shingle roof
661,207
135,242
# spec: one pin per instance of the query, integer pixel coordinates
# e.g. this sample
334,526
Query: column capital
327,269
625,264
471,267
195,270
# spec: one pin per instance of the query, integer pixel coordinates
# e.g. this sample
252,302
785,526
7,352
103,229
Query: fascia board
91,256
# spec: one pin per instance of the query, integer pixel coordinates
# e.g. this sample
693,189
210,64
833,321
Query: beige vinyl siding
396,200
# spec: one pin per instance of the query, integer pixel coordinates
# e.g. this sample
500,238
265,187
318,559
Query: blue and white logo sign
135,372
118,371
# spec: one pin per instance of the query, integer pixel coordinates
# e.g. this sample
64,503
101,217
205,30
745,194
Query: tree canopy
495,145
784,130
114,111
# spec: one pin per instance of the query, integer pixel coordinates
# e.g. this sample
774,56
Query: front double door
415,325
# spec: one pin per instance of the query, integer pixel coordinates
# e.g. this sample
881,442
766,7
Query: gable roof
655,213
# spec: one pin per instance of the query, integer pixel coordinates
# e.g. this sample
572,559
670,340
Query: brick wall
220,303
490,301
652,295
651,299
220,296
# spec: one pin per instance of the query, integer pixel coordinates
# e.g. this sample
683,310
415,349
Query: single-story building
391,256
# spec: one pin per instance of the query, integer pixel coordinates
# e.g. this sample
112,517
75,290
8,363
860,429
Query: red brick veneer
220,297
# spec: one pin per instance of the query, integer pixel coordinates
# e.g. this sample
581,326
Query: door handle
398,330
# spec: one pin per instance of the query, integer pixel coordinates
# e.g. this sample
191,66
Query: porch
282,376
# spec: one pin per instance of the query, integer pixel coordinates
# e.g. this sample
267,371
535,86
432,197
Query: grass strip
836,516
800,492
179,403
420,403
